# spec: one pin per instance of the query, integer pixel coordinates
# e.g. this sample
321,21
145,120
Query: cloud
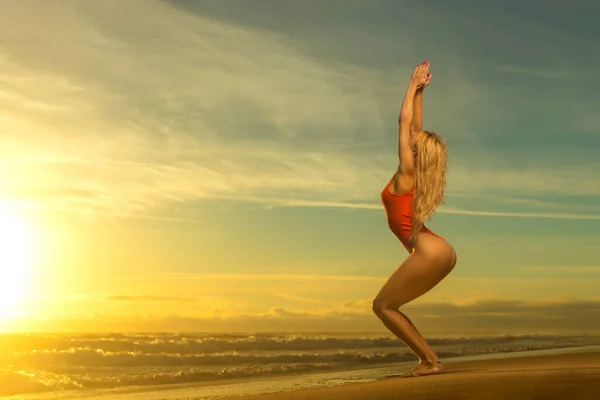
525,180
451,210
150,298
298,299
283,277
192,107
330,288
188,130
442,210
319,295
565,269
540,73
487,315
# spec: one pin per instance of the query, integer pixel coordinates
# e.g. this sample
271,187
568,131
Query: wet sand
562,376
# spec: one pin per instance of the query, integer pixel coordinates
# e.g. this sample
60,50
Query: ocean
175,365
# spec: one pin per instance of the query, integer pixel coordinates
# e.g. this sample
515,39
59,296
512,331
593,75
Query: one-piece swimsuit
398,210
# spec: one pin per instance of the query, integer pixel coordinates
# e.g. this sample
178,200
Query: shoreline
322,382
548,377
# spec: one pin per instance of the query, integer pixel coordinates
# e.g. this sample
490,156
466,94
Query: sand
562,376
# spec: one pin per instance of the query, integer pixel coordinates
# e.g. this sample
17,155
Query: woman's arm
407,117
417,122
405,154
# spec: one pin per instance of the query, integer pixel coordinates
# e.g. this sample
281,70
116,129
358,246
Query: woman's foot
425,368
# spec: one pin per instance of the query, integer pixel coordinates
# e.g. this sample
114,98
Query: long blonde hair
429,178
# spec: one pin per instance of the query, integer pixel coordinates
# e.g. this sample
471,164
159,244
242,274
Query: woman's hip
433,246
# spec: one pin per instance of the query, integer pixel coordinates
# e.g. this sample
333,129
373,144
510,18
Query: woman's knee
381,304
378,306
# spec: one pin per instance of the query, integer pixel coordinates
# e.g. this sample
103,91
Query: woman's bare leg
415,277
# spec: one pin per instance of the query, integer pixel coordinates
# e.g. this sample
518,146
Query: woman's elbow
405,118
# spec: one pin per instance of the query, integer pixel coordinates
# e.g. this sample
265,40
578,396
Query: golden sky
210,167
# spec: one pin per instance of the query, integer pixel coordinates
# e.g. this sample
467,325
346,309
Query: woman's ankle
432,362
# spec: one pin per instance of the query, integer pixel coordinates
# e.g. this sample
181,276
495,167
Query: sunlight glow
16,254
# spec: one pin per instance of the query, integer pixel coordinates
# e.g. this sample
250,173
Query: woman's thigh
417,275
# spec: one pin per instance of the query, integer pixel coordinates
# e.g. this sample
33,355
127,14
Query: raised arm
406,119
405,154
417,124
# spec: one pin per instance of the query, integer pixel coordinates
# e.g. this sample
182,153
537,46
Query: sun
16,255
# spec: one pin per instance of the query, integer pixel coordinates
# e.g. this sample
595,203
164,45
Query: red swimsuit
398,209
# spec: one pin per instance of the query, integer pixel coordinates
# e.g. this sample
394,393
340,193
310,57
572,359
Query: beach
204,366
561,376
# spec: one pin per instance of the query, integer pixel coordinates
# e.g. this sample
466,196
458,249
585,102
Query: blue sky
232,153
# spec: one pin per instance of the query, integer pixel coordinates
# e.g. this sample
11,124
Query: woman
410,197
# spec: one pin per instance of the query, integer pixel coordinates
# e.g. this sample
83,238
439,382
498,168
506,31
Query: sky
217,165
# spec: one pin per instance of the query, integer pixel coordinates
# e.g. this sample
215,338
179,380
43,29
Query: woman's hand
418,81
421,77
427,82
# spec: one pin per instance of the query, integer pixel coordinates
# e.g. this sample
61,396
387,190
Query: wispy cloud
480,315
199,114
253,291
279,202
283,277
299,299
565,269
451,210
540,73
150,298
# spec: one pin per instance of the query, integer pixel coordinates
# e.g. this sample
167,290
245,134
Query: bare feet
425,368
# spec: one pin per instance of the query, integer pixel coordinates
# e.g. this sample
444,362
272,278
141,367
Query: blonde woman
410,198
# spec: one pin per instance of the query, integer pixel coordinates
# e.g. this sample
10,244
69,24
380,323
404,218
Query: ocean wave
99,358
248,343
16,379
21,382
39,363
